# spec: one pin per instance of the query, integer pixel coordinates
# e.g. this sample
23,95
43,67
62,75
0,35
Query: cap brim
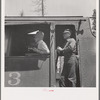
32,33
66,31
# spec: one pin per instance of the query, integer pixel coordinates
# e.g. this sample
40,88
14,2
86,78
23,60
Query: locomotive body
37,70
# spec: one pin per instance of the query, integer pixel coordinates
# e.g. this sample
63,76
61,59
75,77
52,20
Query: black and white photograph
50,44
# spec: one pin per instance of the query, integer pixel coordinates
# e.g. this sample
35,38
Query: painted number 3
14,78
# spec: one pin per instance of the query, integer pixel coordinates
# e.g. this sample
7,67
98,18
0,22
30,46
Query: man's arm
69,48
38,51
43,47
59,51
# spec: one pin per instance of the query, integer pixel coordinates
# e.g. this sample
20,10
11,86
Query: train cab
23,69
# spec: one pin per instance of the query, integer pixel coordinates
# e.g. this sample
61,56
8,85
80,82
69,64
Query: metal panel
27,72
30,20
87,48
52,55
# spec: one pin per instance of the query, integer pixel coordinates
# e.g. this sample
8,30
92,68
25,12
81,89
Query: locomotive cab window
62,61
17,39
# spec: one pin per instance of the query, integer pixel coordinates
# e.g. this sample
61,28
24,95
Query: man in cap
68,75
40,46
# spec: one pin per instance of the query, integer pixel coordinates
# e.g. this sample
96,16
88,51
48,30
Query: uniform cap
67,31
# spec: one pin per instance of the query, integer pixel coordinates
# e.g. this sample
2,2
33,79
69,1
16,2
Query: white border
97,46
2,42
44,93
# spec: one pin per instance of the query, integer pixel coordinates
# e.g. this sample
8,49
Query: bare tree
21,13
39,6
94,22
94,19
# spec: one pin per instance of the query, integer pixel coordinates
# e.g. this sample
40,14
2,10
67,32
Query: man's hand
59,48
34,49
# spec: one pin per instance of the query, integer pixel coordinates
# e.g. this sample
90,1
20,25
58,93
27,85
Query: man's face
38,37
66,35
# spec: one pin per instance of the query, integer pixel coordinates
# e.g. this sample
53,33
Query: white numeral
15,78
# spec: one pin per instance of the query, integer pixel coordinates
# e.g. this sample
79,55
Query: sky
52,7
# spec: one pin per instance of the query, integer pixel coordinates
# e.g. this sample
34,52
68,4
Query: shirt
70,46
42,46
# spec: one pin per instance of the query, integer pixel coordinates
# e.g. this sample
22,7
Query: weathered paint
87,49
33,71
52,55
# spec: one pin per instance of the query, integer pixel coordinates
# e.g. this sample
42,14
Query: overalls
68,75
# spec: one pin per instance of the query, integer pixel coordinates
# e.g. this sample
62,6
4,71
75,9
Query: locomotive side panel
27,72
23,69
16,59
87,53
